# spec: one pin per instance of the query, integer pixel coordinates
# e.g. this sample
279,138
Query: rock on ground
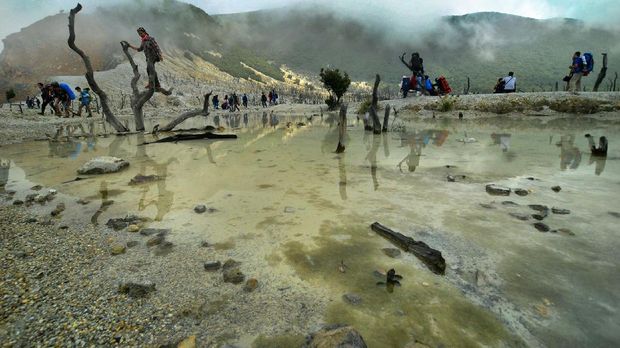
497,190
337,335
103,165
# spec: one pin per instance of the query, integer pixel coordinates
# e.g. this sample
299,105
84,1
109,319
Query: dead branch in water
342,128
90,76
374,107
203,112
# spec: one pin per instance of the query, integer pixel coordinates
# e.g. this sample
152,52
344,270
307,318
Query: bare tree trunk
556,86
342,129
204,112
386,118
468,85
615,80
374,107
601,74
90,76
138,99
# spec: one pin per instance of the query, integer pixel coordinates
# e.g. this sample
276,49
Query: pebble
60,207
230,263
151,231
522,217
487,206
250,285
18,202
136,290
560,211
117,249
157,240
205,244
201,208
541,227
497,190
556,188
539,217
212,265
510,203
425,284
133,228
233,275
521,192
352,299
36,187
289,210
566,231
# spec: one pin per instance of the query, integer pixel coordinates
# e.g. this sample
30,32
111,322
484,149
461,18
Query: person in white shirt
510,83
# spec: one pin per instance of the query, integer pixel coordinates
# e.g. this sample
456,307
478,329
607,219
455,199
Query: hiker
510,83
499,86
263,99
244,99
225,104
275,98
84,98
47,95
429,86
574,84
234,103
63,95
270,96
153,55
404,85
216,102
416,65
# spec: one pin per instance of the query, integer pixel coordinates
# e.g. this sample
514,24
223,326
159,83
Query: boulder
103,165
336,335
556,188
521,192
200,208
541,227
497,190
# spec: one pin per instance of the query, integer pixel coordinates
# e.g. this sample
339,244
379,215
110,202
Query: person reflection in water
570,156
415,142
503,140
5,166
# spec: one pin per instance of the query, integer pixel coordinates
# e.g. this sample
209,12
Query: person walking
47,95
510,83
263,99
216,102
84,98
244,99
574,84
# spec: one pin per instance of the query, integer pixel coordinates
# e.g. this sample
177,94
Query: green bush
336,84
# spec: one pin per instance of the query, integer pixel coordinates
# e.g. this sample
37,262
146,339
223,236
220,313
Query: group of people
506,84
419,81
230,103
60,97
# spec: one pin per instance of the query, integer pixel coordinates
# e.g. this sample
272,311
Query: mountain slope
482,46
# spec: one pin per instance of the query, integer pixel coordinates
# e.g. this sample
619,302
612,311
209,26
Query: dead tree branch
601,74
138,99
342,128
90,76
386,118
203,112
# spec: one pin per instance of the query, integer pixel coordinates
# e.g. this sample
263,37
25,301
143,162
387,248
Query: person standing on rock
574,84
153,55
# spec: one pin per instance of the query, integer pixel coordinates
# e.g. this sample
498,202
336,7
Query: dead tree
202,112
615,80
601,74
373,107
466,91
138,99
90,76
386,118
342,128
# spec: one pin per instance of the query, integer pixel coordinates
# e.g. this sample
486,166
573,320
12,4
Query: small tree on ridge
336,84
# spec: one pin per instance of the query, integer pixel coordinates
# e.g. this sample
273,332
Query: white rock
102,165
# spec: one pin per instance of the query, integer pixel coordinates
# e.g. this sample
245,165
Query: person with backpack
510,83
574,84
153,54
499,86
416,65
216,101
84,101
405,85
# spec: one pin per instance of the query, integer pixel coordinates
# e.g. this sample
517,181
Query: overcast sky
17,14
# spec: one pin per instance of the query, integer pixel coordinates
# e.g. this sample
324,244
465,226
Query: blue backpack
588,63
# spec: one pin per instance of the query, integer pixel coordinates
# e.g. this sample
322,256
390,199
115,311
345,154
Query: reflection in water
342,184
5,166
600,163
265,120
165,198
372,158
245,120
105,203
570,156
216,121
502,139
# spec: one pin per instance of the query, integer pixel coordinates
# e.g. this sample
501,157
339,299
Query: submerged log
90,76
185,137
430,257
386,118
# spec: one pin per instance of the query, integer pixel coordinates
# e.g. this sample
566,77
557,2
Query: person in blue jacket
63,95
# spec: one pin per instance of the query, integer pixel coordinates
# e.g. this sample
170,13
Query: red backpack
443,85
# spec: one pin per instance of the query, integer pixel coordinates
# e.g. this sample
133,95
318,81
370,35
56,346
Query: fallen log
185,137
430,257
